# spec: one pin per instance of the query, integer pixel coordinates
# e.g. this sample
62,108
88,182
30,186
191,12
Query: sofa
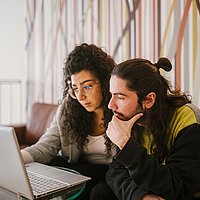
40,118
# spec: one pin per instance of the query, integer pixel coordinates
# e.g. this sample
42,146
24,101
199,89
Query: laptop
15,175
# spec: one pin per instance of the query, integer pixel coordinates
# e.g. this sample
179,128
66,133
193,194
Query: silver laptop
15,175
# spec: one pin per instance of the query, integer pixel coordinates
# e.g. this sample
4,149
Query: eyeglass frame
72,93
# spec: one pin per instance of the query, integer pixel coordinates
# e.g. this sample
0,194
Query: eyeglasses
85,90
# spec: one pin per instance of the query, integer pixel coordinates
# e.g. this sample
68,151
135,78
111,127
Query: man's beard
126,118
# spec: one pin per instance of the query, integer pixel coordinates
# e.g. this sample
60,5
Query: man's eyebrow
119,93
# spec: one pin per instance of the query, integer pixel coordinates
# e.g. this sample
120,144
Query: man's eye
120,97
87,87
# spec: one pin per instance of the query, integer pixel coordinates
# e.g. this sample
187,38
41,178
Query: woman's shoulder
61,107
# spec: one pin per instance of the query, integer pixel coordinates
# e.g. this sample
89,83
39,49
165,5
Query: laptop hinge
20,196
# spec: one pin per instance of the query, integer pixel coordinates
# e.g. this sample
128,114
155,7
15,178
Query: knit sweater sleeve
48,145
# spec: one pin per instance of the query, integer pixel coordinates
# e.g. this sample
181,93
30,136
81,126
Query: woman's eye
87,87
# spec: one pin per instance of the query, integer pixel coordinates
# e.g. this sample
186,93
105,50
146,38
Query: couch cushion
41,116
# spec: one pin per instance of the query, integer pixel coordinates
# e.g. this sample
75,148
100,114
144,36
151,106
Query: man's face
124,102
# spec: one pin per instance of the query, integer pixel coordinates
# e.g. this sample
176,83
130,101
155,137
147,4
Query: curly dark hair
78,120
144,77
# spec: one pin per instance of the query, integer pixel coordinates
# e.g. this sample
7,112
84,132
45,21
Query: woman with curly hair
77,133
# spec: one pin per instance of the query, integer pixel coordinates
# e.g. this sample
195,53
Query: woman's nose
80,95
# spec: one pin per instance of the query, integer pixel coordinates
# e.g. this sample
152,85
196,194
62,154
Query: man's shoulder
184,116
187,114
195,110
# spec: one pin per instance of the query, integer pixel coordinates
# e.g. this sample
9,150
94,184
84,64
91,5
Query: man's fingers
135,118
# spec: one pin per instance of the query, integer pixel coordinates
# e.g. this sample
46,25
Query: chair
40,118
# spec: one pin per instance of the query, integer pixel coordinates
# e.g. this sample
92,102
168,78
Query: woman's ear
149,100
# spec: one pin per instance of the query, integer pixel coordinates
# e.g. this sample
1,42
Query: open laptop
14,174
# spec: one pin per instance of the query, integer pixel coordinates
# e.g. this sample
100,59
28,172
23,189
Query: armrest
20,130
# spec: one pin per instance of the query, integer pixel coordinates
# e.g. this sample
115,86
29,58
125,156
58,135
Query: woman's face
87,90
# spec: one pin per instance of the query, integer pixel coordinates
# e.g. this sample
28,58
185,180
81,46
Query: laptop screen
13,173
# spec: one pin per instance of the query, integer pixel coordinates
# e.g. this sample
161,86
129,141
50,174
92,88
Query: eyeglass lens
85,90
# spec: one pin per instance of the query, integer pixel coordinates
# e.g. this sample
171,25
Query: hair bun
164,63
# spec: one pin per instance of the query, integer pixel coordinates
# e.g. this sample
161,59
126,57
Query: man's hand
119,131
152,197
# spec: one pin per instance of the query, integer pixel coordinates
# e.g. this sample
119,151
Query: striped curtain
124,28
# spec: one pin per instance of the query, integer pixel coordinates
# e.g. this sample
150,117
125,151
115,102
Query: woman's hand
119,131
152,197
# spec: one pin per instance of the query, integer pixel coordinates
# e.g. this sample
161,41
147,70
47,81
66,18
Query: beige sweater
54,141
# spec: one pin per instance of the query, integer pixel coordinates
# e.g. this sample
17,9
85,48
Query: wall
12,61
125,28
37,35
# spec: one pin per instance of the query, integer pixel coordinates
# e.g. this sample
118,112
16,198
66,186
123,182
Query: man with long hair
157,132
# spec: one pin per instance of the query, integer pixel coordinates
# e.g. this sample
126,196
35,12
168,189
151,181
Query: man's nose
111,104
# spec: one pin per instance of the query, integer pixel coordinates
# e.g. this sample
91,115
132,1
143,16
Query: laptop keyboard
42,184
